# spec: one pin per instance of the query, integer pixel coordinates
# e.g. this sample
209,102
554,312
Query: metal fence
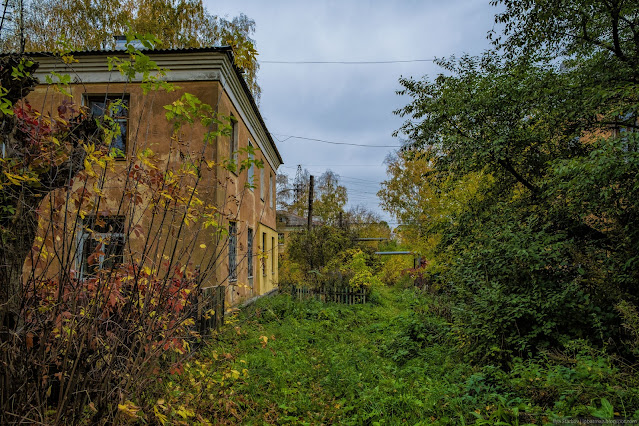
338,294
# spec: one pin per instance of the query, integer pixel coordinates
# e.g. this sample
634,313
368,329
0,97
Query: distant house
290,222
247,261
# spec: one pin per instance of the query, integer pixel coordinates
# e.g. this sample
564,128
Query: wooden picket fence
209,314
338,294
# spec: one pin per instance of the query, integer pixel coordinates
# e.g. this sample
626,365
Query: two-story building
243,254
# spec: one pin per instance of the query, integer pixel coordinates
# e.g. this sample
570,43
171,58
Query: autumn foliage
86,344
99,291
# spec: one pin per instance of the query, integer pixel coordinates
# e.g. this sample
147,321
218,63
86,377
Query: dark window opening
101,244
232,251
116,108
264,252
249,252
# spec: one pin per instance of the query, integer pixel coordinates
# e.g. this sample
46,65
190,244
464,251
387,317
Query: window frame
234,142
264,250
85,236
249,253
250,179
125,98
271,188
232,248
272,255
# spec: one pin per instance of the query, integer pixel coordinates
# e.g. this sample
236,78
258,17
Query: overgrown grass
283,361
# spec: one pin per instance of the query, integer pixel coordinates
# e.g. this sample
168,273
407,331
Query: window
233,141
262,184
249,252
117,109
280,238
264,251
101,244
271,191
272,255
232,251
251,170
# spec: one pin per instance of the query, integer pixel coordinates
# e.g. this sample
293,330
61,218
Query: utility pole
5,6
310,201
22,39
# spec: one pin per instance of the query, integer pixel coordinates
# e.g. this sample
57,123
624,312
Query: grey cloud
351,103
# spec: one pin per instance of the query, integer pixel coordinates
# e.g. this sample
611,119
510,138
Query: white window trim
99,236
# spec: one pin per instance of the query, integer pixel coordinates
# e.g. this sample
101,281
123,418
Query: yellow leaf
89,148
165,195
205,422
88,168
97,189
264,341
203,245
14,179
69,59
129,409
161,417
185,412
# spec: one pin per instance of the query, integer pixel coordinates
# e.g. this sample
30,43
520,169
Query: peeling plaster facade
210,75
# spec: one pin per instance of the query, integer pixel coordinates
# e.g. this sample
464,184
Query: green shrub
575,384
393,269
414,334
361,274
516,288
289,273
405,281
631,324
316,248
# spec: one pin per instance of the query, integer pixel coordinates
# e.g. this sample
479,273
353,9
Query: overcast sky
350,103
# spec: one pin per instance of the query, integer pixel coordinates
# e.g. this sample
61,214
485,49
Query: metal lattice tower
298,184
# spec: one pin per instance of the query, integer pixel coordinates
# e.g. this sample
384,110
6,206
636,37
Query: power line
347,62
331,142
363,180
341,176
342,165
